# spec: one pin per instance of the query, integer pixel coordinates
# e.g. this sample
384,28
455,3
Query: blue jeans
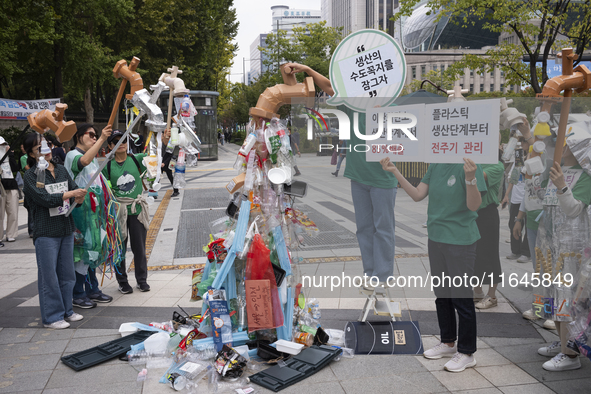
339,161
83,288
374,216
452,261
55,263
532,235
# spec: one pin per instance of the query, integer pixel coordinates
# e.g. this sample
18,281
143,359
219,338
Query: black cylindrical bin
380,337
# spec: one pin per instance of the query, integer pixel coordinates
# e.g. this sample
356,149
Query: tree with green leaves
541,27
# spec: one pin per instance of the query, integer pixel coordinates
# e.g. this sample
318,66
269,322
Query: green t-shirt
24,162
582,189
495,173
358,169
126,179
449,219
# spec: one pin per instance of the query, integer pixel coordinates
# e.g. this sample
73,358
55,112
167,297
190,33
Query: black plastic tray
106,351
300,367
279,274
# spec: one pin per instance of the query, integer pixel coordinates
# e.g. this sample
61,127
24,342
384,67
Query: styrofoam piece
277,176
288,346
128,328
534,165
336,337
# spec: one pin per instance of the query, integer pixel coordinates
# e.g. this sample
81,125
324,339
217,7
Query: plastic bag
258,267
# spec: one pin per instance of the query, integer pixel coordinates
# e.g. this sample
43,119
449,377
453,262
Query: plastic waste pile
254,312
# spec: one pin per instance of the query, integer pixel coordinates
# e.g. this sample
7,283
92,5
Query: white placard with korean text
55,188
462,129
20,109
570,178
398,146
367,69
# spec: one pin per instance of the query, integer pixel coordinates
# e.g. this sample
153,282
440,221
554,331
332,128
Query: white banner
20,109
446,133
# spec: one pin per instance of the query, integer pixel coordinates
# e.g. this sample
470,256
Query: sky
255,18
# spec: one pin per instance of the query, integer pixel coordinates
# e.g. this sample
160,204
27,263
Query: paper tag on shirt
570,178
55,188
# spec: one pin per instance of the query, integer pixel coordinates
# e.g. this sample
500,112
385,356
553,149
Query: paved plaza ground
507,359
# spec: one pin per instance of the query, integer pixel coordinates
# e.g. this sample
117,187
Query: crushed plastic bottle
179,181
41,167
186,106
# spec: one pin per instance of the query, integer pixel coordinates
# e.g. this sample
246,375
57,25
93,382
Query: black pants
136,233
454,261
487,247
169,175
519,247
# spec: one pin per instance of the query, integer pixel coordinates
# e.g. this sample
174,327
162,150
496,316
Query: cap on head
114,135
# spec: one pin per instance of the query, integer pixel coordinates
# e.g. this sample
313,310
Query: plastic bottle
509,149
186,106
249,142
41,167
179,172
174,136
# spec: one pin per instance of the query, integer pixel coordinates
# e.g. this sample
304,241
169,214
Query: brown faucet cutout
274,97
121,70
578,79
46,120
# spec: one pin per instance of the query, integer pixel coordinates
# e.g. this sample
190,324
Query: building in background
283,18
256,58
354,15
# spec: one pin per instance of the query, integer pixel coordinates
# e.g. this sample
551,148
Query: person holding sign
53,234
374,196
453,234
563,236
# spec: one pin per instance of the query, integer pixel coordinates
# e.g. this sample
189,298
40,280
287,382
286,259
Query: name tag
58,188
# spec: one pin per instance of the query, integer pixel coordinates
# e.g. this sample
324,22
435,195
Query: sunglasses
91,135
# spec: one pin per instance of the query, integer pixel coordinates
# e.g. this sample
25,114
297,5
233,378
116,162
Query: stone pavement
507,344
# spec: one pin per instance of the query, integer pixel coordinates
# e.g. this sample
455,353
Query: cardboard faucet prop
176,86
578,79
146,103
128,73
274,97
46,120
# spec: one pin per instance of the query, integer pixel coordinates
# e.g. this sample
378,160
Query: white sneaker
74,317
486,303
551,350
441,350
60,324
459,362
524,259
562,362
529,315
478,296
549,325
512,256
508,240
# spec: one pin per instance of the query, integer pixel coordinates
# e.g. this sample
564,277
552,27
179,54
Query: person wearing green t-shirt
373,194
124,174
81,164
453,233
487,247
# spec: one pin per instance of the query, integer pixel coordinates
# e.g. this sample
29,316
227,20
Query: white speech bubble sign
367,70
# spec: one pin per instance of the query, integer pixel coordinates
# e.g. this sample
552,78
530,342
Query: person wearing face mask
90,245
53,236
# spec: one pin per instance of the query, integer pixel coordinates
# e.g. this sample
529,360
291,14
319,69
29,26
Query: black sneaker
100,297
175,194
125,288
84,303
335,173
143,286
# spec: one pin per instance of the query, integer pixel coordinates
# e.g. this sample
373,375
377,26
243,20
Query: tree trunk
88,106
58,79
535,84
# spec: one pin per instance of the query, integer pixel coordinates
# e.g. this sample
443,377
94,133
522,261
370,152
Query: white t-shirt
518,190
